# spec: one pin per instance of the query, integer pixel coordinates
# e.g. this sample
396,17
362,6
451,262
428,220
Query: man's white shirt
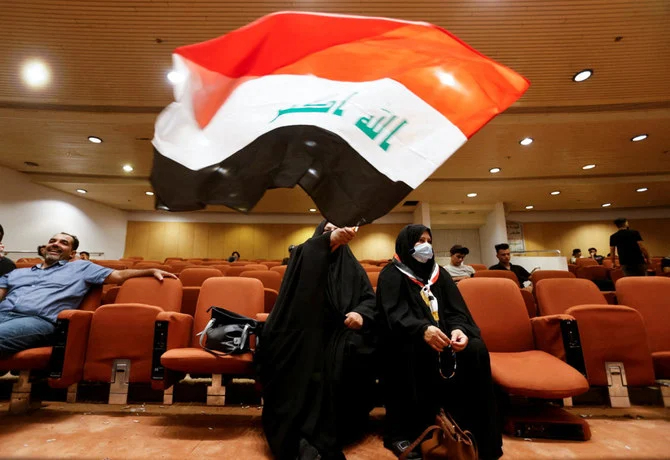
461,270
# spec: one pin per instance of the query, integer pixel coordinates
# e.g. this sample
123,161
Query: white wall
31,214
493,232
444,239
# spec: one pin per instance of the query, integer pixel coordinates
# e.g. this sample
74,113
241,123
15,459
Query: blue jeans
19,332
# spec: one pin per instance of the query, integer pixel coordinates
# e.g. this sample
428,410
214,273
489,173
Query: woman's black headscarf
304,344
400,301
347,281
404,244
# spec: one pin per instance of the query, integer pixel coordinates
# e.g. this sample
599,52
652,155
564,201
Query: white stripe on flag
402,136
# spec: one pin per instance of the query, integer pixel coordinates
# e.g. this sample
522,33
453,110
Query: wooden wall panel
569,235
158,240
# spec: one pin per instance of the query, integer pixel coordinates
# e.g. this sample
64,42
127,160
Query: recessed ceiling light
36,73
556,192
95,139
312,209
149,193
588,166
526,141
81,190
472,195
127,168
530,206
606,205
639,137
643,189
494,170
583,75
175,77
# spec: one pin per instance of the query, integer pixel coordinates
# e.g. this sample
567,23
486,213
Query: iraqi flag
357,111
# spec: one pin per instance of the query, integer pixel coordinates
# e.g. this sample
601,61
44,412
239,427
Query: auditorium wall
566,236
158,240
31,214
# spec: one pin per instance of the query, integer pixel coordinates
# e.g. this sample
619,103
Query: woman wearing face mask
433,356
316,356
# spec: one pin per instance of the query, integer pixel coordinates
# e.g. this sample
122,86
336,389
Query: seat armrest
171,330
548,335
262,317
180,326
66,365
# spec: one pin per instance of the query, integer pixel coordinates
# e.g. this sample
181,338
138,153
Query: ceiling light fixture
495,170
606,205
639,137
149,193
175,77
35,73
312,209
82,191
585,167
643,189
582,75
95,139
127,168
526,141
472,195
555,192
530,206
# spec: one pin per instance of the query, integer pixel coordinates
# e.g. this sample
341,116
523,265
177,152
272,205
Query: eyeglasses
439,363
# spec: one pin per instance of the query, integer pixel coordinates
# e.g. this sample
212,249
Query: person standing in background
6,265
633,256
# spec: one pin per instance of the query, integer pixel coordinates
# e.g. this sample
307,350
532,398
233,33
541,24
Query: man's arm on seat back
119,276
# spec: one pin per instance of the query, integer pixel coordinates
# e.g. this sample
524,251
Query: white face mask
423,252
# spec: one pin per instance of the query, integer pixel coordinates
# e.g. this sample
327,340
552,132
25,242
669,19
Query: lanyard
426,294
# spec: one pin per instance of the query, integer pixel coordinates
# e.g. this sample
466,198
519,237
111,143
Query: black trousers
415,392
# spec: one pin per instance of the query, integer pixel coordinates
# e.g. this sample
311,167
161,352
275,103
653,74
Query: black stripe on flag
346,188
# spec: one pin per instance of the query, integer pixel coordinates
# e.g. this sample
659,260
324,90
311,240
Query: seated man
456,268
504,255
576,254
6,265
32,298
593,254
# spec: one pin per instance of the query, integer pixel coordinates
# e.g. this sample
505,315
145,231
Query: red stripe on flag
277,40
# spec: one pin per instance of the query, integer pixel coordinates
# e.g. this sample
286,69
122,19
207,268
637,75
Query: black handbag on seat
228,333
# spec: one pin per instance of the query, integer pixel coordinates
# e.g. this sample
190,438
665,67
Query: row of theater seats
193,278
144,337
608,273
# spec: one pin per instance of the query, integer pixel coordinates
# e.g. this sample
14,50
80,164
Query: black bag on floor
228,333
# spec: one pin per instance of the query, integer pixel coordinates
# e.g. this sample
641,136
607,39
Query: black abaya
414,389
317,375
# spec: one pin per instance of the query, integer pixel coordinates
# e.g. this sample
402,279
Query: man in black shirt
6,265
504,255
593,254
633,256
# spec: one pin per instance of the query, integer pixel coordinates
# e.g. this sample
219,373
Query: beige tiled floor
98,431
